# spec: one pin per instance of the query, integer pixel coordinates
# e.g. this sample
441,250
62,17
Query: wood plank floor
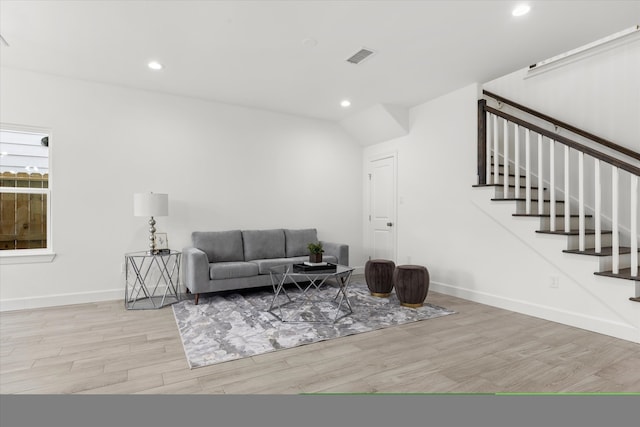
103,348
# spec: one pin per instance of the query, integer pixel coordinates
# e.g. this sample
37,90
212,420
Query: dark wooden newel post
482,142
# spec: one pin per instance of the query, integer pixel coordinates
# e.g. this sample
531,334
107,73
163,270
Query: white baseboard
602,326
79,298
61,299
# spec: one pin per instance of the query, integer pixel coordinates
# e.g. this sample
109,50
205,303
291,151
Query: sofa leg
196,300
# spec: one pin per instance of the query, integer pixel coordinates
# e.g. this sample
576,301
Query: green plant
315,248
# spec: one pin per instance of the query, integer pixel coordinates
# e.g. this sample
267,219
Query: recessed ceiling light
520,10
155,65
345,103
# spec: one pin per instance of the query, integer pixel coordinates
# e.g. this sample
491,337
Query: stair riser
512,193
559,222
512,180
573,242
521,207
606,262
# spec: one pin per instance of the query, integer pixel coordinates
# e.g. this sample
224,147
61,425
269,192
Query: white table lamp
151,204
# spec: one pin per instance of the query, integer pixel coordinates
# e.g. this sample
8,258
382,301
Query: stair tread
502,185
511,174
605,251
624,273
571,232
522,199
549,215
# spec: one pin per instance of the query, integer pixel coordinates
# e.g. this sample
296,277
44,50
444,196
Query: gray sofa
237,259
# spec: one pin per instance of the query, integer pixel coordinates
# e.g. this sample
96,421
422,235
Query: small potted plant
315,252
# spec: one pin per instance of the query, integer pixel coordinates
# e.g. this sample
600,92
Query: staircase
581,187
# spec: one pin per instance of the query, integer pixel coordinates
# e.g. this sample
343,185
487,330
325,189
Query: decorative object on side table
151,205
162,243
315,252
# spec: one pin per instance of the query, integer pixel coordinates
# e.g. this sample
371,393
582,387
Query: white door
382,208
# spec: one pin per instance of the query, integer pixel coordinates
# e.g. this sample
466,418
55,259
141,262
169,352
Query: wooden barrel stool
378,273
412,284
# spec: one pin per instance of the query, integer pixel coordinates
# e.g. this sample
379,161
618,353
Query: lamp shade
150,204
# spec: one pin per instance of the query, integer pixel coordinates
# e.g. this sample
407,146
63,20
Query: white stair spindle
615,238
598,205
489,179
516,154
634,225
552,185
581,224
505,169
540,184
496,159
527,173
567,196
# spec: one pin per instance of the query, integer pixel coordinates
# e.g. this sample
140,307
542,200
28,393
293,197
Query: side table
151,280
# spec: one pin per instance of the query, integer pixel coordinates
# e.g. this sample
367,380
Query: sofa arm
195,266
339,250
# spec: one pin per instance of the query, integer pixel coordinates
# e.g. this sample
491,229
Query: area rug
237,325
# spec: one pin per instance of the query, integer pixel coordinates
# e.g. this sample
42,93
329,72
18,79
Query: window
25,192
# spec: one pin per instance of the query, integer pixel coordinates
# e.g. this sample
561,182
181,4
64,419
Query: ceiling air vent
360,56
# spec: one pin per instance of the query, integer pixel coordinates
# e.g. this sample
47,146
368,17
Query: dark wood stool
378,273
412,284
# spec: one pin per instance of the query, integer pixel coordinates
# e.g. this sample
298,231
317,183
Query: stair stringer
583,300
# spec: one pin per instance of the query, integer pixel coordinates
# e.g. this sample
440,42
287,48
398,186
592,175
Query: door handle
390,224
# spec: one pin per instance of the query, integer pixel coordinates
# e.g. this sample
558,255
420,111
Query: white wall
223,167
476,253
598,93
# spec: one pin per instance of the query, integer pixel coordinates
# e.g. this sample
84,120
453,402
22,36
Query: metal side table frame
142,285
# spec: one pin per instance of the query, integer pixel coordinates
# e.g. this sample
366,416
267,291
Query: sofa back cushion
220,246
263,244
296,241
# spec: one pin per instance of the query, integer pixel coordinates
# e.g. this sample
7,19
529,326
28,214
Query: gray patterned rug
237,325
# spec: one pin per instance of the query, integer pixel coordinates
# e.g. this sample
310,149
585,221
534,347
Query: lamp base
158,251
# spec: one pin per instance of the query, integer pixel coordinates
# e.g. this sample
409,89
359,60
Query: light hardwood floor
103,348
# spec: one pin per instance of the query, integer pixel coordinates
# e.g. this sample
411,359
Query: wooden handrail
563,140
559,123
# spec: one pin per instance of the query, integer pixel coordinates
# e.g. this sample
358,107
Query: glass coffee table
317,295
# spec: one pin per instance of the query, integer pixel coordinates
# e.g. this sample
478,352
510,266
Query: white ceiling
253,52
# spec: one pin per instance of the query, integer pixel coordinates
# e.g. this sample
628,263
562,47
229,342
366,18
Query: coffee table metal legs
307,295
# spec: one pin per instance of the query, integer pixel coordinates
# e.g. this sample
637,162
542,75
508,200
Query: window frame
38,255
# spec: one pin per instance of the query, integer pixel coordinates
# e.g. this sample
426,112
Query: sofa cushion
296,241
220,246
262,244
265,264
229,270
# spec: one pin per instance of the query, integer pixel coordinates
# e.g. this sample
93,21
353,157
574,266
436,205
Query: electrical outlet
408,260
554,282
